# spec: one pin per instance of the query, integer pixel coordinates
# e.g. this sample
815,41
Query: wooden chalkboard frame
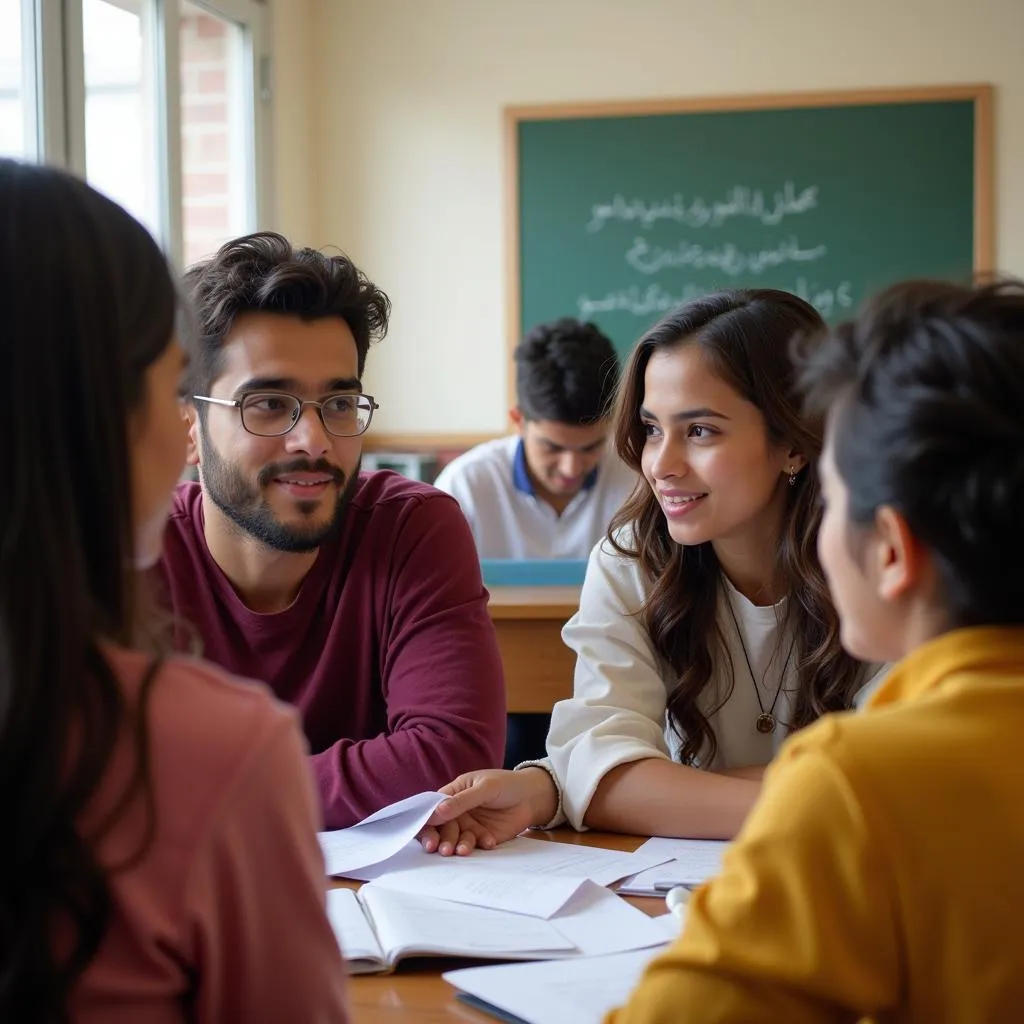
980,95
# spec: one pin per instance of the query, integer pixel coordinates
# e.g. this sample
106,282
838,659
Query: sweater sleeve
802,924
617,711
254,901
441,674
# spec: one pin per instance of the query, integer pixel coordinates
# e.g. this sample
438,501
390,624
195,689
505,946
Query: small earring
792,476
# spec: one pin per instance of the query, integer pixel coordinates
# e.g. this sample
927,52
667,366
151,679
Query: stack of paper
528,899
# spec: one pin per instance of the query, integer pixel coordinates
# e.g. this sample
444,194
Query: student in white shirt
705,631
550,490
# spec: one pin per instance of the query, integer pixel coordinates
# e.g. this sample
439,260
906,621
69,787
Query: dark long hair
745,335
89,303
925,393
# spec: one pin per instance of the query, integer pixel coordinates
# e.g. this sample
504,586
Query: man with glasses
356,597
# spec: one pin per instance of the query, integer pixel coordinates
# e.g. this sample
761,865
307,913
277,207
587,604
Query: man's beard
245,505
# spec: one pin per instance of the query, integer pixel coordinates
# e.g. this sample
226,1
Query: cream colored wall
407,138
295,136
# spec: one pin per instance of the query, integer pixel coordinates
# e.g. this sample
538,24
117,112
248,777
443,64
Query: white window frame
58,99
42,34
253,17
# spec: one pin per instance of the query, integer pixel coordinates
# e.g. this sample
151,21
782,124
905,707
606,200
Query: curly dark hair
265,273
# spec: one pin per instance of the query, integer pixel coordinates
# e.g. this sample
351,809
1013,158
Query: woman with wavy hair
705,632
878,877
159,860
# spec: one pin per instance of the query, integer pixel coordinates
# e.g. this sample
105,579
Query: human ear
795,461
898,558
191,417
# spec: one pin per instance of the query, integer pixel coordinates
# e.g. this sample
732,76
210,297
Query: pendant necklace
765,722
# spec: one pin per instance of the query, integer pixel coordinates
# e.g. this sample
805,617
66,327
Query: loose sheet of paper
378,837
519,893
581,991
693,862
598,922
532,856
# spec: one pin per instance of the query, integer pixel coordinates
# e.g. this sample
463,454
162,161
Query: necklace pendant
765,723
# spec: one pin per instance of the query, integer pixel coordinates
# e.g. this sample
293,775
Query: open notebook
378,926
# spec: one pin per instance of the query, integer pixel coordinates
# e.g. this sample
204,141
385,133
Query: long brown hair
89,305
745,335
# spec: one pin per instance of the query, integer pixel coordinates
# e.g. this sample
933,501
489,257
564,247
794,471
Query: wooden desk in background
415,992
538,666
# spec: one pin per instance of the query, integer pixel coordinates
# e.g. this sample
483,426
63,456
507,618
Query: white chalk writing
728,258
826,300
739,201
652,300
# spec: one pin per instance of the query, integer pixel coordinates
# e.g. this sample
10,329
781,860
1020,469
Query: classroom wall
405,137
295,137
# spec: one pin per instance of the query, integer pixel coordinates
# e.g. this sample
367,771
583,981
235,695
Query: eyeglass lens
273,414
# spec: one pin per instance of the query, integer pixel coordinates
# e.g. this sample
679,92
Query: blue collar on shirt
521,479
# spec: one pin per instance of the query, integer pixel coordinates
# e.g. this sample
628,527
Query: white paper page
408,925
581,991
377,837
530,856
598,922
693,862
520,893
352,930
670,925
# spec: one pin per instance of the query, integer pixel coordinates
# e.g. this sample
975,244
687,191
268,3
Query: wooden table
538,666
416,993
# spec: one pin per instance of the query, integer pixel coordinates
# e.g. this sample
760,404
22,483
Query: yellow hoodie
881,873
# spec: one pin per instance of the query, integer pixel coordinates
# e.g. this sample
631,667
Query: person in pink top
160,860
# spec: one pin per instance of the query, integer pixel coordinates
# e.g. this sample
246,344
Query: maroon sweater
387,651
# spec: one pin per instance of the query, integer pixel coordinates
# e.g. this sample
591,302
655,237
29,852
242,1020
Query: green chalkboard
619,213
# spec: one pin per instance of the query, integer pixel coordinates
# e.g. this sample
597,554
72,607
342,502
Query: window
216,187
121,116
161,104
17,94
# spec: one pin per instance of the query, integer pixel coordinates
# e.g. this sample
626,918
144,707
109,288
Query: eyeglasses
271,413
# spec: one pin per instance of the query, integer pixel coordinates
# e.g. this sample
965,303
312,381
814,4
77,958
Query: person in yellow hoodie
881,873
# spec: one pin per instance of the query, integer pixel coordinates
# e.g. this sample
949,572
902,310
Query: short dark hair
925,393
264,273
566,372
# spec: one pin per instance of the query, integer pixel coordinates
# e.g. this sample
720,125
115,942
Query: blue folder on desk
507,572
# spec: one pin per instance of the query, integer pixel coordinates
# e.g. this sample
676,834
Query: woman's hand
487,808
